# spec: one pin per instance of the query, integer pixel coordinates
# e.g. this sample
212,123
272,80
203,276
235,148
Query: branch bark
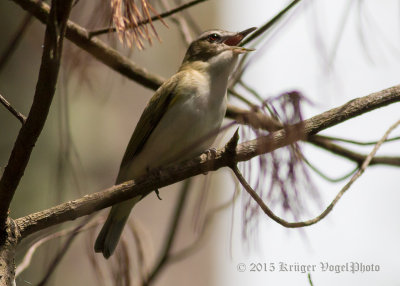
199,165
8,244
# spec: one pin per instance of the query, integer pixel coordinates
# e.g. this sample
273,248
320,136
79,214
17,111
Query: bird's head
217,48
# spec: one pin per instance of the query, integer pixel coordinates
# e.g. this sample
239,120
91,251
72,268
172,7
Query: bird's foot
211,153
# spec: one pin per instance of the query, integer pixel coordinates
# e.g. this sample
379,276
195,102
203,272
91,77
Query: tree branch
14,112
199,165
355,142
270,23
45,88
26,261
12,46
326,144
61,253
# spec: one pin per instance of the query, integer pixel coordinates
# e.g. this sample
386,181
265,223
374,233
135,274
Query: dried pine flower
132,23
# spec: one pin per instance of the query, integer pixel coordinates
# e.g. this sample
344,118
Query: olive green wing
151,116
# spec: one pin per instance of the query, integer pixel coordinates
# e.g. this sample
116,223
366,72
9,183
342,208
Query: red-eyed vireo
187,108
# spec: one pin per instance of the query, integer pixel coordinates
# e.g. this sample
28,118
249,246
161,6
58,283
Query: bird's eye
214,38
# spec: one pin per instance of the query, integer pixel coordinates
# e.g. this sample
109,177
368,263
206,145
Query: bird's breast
188,128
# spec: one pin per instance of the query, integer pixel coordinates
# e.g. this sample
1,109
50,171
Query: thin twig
182,25
154,18
165,254
241,97
26,261
262,30
57,259
14,112
270,23
340,32
326,177
359,158
309,279
251,90
12,46
287,224
355,142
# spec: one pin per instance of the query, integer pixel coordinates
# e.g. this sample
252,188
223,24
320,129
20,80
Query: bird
179,121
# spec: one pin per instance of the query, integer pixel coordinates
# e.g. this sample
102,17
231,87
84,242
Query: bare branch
326,177
254,118
154,18
57,259
182,25
14,112
29,254
12,46
199,165
45,88
287,224
355,142
326,144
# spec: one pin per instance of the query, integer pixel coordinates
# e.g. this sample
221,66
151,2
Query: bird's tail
109,235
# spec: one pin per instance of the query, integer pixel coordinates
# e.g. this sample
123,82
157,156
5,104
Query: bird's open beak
235,39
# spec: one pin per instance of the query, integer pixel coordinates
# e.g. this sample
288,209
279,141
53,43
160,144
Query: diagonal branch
270,23
61,253
45,88
199,165
14,112
13,44
326,144
355,142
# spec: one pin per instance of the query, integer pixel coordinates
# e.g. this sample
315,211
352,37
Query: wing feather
150,118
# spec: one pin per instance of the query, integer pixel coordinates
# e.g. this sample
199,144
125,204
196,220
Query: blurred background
331,51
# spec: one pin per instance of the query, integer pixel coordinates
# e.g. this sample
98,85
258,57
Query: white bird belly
186,130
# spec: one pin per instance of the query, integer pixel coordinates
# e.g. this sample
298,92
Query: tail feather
110,234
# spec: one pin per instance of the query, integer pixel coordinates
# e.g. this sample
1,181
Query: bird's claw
211,153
